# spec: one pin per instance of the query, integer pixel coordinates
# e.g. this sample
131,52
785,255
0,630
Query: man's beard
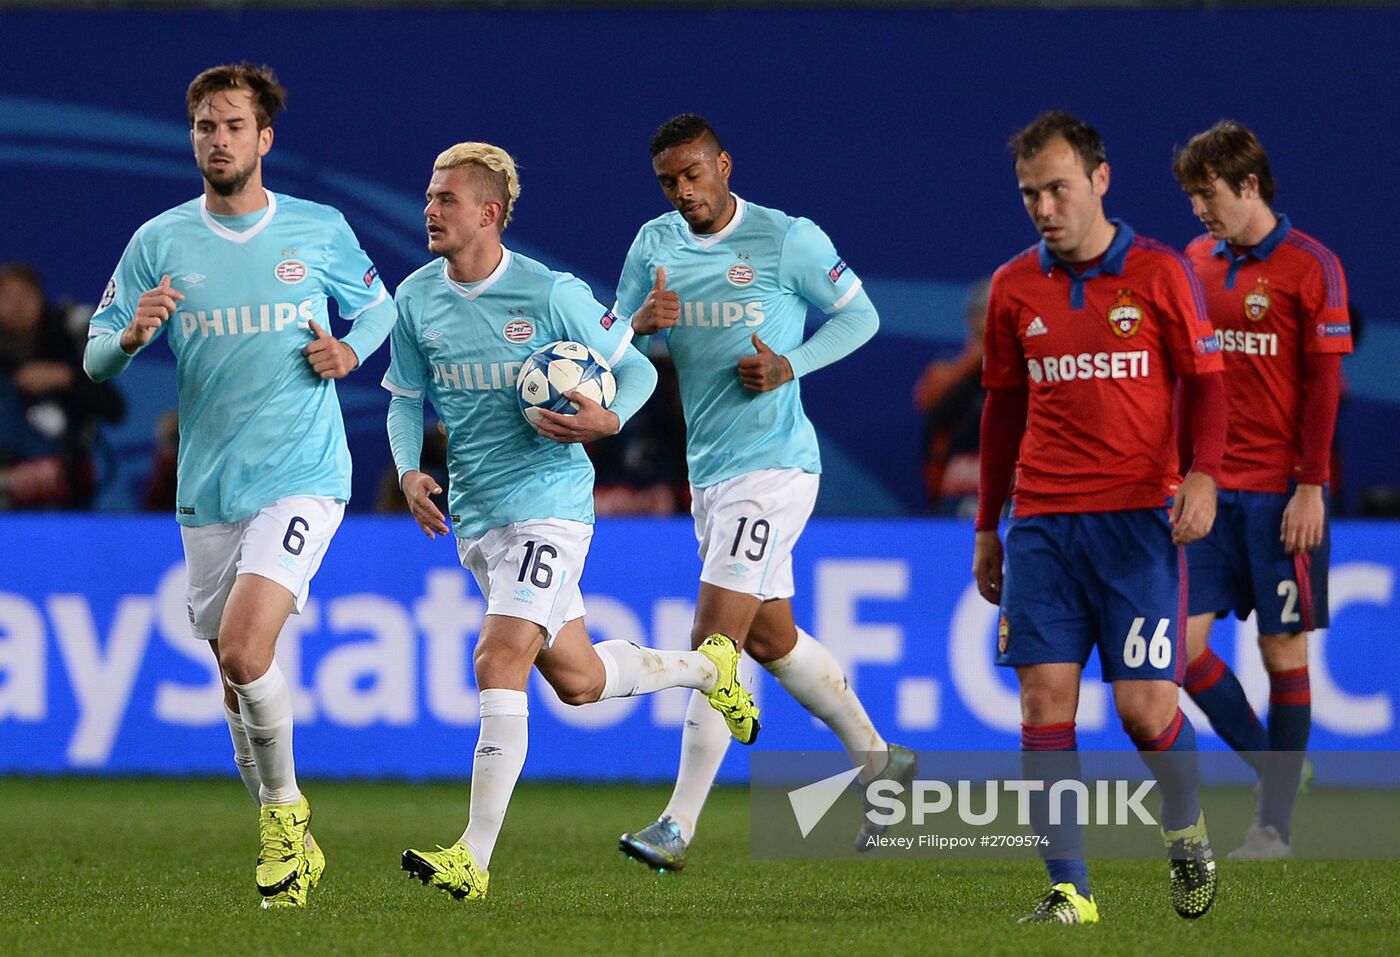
232,185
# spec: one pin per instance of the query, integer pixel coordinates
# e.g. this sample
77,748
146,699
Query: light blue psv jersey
256,423
756,275
462,345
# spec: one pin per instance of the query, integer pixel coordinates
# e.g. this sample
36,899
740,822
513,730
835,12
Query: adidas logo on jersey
1036,328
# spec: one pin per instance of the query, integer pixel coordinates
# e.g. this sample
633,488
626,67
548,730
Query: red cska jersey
1101,351
1272,304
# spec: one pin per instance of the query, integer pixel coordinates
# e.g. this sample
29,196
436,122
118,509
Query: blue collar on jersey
1111,264
1260,251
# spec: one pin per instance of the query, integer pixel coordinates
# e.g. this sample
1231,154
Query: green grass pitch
98,866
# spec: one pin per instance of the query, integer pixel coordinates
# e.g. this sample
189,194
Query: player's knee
1284,652
1146,718
242,664
1045,705
766,647
577,689
497,665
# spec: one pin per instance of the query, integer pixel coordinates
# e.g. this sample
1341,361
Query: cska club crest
1256,304
1125,315
1003,635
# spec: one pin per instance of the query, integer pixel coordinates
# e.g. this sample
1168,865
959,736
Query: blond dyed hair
492,169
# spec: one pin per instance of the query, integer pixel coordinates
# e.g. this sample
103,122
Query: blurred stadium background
885,123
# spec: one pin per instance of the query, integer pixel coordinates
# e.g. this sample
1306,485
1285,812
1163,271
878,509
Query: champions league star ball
563,367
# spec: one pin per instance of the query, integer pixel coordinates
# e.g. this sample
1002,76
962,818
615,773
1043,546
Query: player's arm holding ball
589,322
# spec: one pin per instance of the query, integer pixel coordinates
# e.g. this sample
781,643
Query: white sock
633,670
812,675
266,707
243,753
703,744
500,754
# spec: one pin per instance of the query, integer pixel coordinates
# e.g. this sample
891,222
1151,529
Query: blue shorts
1111,579
1241,567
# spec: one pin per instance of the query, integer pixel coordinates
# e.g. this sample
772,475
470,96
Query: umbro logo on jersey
193,279
1036,328
431,334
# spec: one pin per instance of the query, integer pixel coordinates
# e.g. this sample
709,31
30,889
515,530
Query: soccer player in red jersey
1088,334
1278,298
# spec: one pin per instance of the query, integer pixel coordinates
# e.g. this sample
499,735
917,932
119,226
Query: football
563,367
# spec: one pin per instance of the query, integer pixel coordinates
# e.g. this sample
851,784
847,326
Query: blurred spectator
1337,490
642,469
160,490
48,407
949,394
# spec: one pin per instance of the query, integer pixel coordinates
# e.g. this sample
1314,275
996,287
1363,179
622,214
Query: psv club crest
1256,304
1125,315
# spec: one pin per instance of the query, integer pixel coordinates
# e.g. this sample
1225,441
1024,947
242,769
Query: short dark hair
269,96
686,128
1052,123
1230,150
23,272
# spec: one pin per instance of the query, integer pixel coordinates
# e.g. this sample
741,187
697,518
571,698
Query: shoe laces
277,831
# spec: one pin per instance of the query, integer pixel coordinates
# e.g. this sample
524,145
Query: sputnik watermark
888,803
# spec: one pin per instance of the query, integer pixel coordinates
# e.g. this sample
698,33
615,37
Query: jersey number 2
1288,591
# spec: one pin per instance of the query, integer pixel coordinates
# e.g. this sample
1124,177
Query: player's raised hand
329,357
987,559
1304,518
1193,512
418,490
660,310
153,308
589,423
764,371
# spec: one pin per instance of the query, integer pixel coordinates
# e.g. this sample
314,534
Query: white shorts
747,527
284,542
530,570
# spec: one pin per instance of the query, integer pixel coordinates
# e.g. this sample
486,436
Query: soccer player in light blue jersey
520,497
239,280
727,284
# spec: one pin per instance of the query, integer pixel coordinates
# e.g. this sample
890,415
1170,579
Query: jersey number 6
294,541
1137,648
